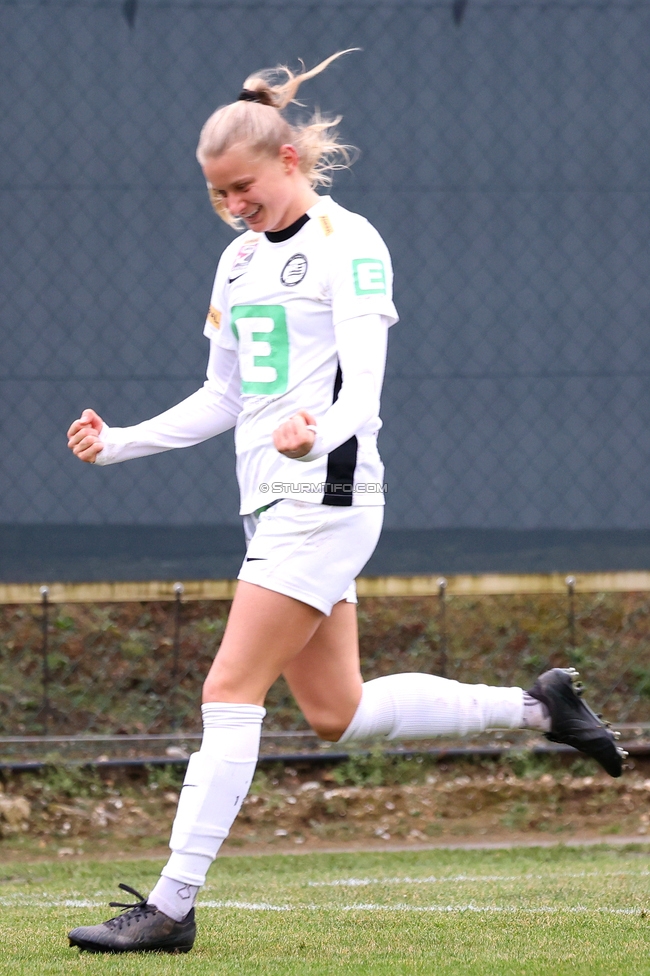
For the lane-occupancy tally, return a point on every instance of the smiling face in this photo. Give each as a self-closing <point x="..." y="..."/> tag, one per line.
<point x="268" y="192"/>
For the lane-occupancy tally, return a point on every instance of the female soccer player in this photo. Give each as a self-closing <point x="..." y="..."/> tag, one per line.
<point x="298" y="323"/>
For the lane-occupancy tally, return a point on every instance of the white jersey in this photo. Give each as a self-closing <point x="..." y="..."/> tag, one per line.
<point x="277" y="300"/>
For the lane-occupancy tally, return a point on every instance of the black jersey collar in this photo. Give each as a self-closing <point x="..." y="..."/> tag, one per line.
<point x="277" y="236"/>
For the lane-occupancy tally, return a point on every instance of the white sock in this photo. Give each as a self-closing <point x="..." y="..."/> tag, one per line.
<point x="217" y="780"/>
<point x="536" y="714"/>
<point x="418" y="706"/>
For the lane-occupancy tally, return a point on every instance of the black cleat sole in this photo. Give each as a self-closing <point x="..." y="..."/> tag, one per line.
<point x="92" y="947"/>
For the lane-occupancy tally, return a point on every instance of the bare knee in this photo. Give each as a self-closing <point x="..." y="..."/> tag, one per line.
<point x="221" y="687"/>
<point x="329" y="734"/>
<point x="328" y="725"/>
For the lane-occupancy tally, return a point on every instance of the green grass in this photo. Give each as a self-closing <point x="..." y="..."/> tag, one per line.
<point x="539" y="912"/>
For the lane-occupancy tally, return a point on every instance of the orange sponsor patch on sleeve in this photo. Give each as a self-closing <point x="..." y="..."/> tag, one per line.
<point x="326" y="225"/>
<point x="214" y="317"/>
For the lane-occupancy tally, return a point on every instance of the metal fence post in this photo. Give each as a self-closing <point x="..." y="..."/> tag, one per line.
<point x="179" y="589"/>
<point x="442" y="626"/>
<point x="45" y="670"/>
<point x="571" y="615"/>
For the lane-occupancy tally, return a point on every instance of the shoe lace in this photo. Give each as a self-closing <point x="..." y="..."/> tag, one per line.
<point x="130" y="912"/>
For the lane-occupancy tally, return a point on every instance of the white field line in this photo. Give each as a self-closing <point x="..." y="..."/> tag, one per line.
<point x="371" y="907"/>
<point x="362" y="907"/>
<point x="42" y="901"/>
<point x="31" y="901"/>
<point x="363" y="882"/>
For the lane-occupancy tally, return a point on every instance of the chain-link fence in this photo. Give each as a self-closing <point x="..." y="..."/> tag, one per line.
<point x="505" y="158"/>
<point x="124" y="680"/>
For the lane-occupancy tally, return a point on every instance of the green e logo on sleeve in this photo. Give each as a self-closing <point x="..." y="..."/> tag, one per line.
<point x="261" y="331"/>
<point x="369" y="276"/>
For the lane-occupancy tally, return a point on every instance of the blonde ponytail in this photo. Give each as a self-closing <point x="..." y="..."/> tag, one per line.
<point x="280" y="95"/>
<point x="256" y="121"/>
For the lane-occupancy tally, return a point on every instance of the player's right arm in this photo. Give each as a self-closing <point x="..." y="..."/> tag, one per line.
<point x="210" y="411"/>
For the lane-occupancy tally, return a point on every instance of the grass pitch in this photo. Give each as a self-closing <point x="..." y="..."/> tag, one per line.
<point x="538" y="912"/>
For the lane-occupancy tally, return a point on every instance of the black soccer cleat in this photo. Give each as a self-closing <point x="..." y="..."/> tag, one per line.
<point x="141" y="928"/>
<point x="573" y="722"/>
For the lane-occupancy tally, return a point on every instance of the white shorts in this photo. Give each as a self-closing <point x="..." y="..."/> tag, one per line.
<point x="310" y="552"/>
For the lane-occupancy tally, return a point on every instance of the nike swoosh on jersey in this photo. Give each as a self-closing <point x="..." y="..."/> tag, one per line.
<point x="230" y="280"/>
<point x="255" y="559"/>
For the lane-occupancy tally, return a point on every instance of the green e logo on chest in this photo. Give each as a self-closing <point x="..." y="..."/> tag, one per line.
<point x="261" y="331"/>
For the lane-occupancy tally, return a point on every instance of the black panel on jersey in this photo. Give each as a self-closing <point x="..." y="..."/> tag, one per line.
<point x="341" y="463"/>
<point x="277" y="236"/>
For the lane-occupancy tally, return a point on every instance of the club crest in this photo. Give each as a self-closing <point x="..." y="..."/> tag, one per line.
<point x="294" y="270"/>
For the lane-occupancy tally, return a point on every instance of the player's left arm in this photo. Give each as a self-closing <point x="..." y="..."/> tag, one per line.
<point x="361" y="345"/>
<point x="360" y="280"/>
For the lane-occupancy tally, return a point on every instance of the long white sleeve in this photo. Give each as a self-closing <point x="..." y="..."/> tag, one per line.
<point x="210" y="411"/>
<point x="361" y="346"/>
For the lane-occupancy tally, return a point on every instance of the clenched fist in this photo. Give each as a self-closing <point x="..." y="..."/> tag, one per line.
<point x="83" y="436"/>
<point x="293" y="438"/>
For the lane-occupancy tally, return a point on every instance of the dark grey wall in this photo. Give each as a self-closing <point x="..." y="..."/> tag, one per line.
<point x="505" y="159"/>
